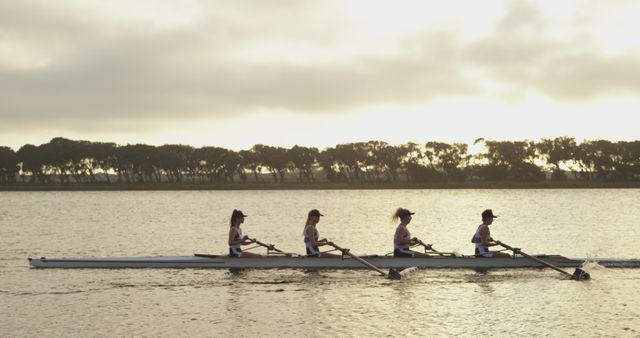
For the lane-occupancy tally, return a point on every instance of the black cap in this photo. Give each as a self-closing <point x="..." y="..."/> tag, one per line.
<point x="315" y="212"/>
<point x="237" y="213"/>
<point x="405" y="212"/>
<point x="488" y="214"/>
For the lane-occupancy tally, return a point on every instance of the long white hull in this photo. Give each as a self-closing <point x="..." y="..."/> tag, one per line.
<point x="284" y="262"/>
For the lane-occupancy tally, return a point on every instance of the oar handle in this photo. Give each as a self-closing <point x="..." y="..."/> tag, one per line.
<point x="425" y="245"/>
<point x="268" y="246"/>
<point x="429" y="247"/>
<point x="516" y="251"/>
<point x="337" y="247"/>
<point x="508" y="247"/>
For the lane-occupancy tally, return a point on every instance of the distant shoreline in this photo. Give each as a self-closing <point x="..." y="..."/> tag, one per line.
<point x="317" y="186"/>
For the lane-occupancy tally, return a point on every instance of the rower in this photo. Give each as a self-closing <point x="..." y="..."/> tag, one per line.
<point x="312" y="239"/>
<point x="402" y="240"/>
<point x="236" y="239"/>
<point x="482" y="238"/>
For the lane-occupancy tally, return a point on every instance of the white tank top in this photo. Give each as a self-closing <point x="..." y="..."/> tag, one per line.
<point x="405" y="237"/>
<point x="311" y="250"/>
<point x="237" y="237"/>
<point x="478" y="238"/>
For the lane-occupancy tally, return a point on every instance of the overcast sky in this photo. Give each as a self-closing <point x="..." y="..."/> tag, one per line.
<point x="317" y="73"/>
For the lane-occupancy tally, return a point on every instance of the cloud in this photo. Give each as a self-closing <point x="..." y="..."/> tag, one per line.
<point x="523" y="56"/>
<point x="113" y="65"/>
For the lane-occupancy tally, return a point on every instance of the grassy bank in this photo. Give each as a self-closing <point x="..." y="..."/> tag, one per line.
<point x="317" y="186"/>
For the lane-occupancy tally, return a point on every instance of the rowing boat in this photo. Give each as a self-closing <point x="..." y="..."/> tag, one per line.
<point x="294" y="262"/>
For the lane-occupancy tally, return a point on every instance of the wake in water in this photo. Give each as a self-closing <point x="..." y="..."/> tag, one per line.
<point x="408" y="271"/>
<point x="592" y="264"/>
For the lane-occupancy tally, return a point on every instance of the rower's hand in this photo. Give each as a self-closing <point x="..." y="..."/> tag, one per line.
<point x="245" y="237"/>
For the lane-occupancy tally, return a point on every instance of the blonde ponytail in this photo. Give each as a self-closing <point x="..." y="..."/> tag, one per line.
<point x="401" y="214"/>
<point x="396" y="215"/>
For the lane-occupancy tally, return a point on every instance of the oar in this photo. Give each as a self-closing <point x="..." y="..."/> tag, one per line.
<point x="393" y="274"/>
<point x="269" y="247"/>
<point x="578" y="274"/>
<point x="430" y="247"/>
<point x="440" y="253"/>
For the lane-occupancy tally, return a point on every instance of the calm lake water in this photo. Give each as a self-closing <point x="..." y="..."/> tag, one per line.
<point x="210" y="303"/>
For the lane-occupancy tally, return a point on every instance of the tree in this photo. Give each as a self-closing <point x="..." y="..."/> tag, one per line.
<point x="8" y="165"/>
<point x="231" y="164"/>
<point x="211" y="162"/>
<point x="249" y="161"/>
<point x="103" y="157"/>
<point x="374" y="162"/>
<point x="511" y="160"/>
<point x="352" y="160"/>
<point x="330" y="165"/>
<point x="32" y="163"/>
<point x="134" y="163"/>
<point x="556" y="152"/>
<point x="448" y="158"/>
<point x="390" y="159"/>
<point x="596" y="158"/>
<point x="413" y="155"/>
<point x="628" y="160"/>
<point x="81" y="161"/>
<point x="273" y="158"/>
<point x="421" y="173"/>
<point x="303" y="160"/>
<point x="172" y="160"/>
<point x="65" y="157"/>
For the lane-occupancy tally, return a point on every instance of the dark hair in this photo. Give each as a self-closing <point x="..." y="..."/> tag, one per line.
<point x="313" y="213"/>
<point x="488" y="214"/>
<point x="235" y="215"/>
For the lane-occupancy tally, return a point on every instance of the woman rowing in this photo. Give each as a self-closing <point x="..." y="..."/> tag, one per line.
<point x="482" y="238"/>
<point x="236" y="239"/>
<point x="312" y="239"/>
<point x="402" y="240"/>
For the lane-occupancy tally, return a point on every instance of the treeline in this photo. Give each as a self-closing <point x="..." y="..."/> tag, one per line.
<point x="69" y="161"/>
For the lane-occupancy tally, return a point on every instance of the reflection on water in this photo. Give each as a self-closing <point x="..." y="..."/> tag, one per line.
<point x="191" y="302"/>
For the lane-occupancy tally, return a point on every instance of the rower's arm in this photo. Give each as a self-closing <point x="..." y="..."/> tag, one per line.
<point x="242" y="241"/>
<point x="485" y="239"/>
<point x="312" y="238"/>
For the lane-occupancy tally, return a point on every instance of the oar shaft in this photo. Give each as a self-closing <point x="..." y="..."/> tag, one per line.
<point x="544" y="263"/>
<point x="268" y="246"/>
<point x="518" y="251"/>
<point x="365" y="263"/>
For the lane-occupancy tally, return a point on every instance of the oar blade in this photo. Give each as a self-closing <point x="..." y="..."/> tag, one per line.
<point x="394" y="274"/>
<point x="580" y="274"/>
